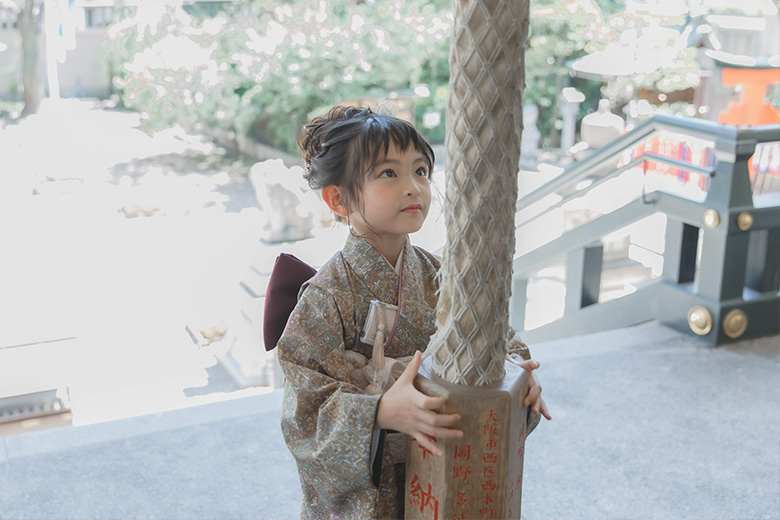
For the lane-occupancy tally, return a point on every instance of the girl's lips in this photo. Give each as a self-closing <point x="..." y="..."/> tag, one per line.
<point x="412" y="208"/>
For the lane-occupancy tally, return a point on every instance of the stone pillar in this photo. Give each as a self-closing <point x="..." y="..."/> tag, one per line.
<point x="529" y="141"/>
<point x="570" y="100"/>
<point x="286" y="201"/>
<point x="480" y="475"/>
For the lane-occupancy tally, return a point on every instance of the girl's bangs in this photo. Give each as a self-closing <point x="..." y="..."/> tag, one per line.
<point x="381" y="130"/>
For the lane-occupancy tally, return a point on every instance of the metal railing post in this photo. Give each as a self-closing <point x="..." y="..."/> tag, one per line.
<point x="518" y="303"/>
<point x="583" y="277"/>
<point x="681" y="246"/>
<point x="723" y="265"/>
<point x="763" y="267"/>
<point x="730" y="184"/>
<point x="724" y="252"/>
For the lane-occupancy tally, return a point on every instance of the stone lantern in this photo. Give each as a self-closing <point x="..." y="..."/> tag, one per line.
<point x="601" y="127"/>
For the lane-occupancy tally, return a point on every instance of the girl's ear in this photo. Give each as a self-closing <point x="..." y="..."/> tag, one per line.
<point x="332" y="197"/>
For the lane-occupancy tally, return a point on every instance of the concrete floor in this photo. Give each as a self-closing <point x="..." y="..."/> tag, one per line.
<point x="648" y="423"/>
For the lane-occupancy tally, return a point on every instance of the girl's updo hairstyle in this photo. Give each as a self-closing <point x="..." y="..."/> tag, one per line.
<point x="343" y="147"/>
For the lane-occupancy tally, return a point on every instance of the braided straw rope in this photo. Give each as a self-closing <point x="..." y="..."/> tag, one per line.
<point x="484" y="123"/>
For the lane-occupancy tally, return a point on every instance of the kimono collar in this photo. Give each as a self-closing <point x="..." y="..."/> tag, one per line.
<point x="374" y="269"/>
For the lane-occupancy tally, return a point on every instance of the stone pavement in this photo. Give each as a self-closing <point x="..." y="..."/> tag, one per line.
<point x="648" y="423"/>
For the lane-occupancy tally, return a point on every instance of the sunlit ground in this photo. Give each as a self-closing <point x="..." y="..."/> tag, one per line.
<point x="96" y="300"/>
<point x="112" y="241"/>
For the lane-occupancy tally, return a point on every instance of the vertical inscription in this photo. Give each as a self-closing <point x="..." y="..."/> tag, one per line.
<point x="422" y="496"/>
<point x="426" y="451"/>
<point x="491" y="441"/>
<point x="462" y="469"/>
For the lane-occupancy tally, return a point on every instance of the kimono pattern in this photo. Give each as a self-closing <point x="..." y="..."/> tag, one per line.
<point x="327" y="420"/>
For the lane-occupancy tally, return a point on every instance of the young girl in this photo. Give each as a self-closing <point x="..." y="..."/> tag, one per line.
<point x="349" y="443"/>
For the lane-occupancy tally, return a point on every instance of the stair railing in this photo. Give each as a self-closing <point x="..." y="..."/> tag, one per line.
<point x="722" y="285"/>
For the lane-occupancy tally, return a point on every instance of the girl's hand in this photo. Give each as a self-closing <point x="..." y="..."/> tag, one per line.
<point x="534" y="396"/>
<point x="406" y="409"/>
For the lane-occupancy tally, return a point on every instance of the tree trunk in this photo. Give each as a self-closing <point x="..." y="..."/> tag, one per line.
<point x="32" y="81"/>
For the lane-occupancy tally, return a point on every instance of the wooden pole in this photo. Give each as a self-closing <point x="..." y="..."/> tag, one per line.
<point x="480" y="475"/>
<point x="484" y="125"/>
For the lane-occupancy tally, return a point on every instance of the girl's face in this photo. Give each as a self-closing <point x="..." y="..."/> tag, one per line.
<point x="395" y="198"/>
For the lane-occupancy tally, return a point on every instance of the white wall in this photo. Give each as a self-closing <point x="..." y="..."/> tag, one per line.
<point x="82" y="74"/>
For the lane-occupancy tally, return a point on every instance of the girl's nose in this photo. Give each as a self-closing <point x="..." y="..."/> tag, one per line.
<point x="413" y="186"/>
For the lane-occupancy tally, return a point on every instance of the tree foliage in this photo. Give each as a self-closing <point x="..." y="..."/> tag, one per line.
<point x="262" y="68"/>
<point x="266" y="67"/>
<point x="560" y="31"/>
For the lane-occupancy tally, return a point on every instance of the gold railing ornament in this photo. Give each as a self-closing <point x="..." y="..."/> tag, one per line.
<point x="711" y="218"/>
<point x="745" y="221"/>
<point x="735" y="323"/>
<point x="700" y="320"/>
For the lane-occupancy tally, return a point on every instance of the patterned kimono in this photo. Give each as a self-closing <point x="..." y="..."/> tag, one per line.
<point x="327" y="420"/>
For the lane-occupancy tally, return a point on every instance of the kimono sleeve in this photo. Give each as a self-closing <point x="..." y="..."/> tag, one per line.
<point x="516" y="348"/>
<point x="327" y="422"/>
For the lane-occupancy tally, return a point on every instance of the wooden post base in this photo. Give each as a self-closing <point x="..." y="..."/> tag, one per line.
<point x="481" y="474"/>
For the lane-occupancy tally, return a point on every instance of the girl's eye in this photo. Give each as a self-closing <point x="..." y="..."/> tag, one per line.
<point x="387" y="173"/>
<point x="422" y="172"/>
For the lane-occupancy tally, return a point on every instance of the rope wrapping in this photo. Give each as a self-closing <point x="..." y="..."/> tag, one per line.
<point x="484" y="124"/>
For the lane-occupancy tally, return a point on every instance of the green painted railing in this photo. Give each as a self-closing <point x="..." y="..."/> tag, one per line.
<point x="721" y="256"/>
